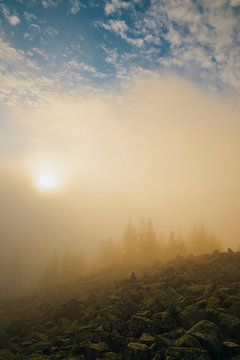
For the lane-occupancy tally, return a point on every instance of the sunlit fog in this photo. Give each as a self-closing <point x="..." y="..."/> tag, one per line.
<point x="80" y="167"/>
<point x="137" y="140"/>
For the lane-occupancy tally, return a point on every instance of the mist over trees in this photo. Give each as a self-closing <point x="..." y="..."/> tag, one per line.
<point x="68" y="267"/>
<point x="140" y="246"/>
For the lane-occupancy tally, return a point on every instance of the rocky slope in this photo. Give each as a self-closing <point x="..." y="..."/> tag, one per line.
<point x="187" y="309"/>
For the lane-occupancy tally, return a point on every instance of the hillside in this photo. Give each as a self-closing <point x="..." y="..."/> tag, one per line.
<point x="186" y="309"/>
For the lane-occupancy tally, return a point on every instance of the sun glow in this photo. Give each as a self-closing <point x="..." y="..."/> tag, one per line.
<point x="47" y="182"/>
<point x="48" y="172"/>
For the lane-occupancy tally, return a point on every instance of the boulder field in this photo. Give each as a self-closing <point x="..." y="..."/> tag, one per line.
<point x="187" y="309"/>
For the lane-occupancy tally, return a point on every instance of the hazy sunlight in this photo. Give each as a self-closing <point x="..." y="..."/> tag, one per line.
<point x="47" y="182"/>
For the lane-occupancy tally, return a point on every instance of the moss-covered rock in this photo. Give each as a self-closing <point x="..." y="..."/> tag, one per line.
<point x="94" y="350"/>
<point x="111" y="356"/>
<point x="38" y="357"/>
<point x="146" y="339"/>
<point x="180" y="353"/>
<point x="140" y="324"/>
<point x="137" y="351"/>
<point x="229" y="323"/>
<point x="230" y="349"/>
<point x="174" y="334"/>
<point x="188" y="341"/>
<point x="162" y="342"/>
<point x="190" y="316"/>
<point x="37" y="347"/>
<point x="210" y="337"/>
<point x="6" y="355"/>
<point x="164" y="321"/>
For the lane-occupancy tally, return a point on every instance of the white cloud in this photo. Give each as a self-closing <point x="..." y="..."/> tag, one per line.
<point x="119" y="27"/>
<point x="50" y="3"/>
<point x="134" y="42"/>
<point x="115" y="5"/>
<point x="13" y="19"/>
<point x="151" y="39"/>
<point x="112" y="56"/>
<point x="24" y="85"/>
<point x="34" y="31"/>
<point x="174" y="36"/>
<point x="21" y="85"/>
<point x="40" y="52"/>
<point x="8" y="53"/>
<point x="35" y="28"/>
<point x="28" y="36"/>
<point x="214" y="3"/>
<point x="235" y="3"/>
<point x="75" y="6"/>
<point x="50" y="31"/>
<point x="201" y="43"/>
<point x="29" y="16"/>
<point x="74" y="65"/>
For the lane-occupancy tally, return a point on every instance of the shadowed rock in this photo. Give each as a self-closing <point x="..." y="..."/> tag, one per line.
<point x="175" y="353"/>
<point x="209" y="336"/>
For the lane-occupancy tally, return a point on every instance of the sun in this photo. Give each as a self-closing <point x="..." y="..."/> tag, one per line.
<point x="48" y="174"/>
<point x="47" y="182"/>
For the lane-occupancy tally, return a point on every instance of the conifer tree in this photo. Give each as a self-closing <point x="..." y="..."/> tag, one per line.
<point x="148" y="245"/>
<point x="51" y="275"/>
<point x="130" y="253"/>
<point x="201" y="241"/>
<point x="108" y="254"/>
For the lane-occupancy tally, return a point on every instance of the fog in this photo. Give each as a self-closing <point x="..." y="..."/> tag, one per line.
<point x="159" y="148"/>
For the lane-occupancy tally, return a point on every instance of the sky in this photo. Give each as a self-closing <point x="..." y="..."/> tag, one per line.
<point x="71" y="45"/>
<point x="112" y="109"/>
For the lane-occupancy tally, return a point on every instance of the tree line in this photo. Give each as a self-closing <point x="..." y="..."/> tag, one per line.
<point x="139" y="246"/>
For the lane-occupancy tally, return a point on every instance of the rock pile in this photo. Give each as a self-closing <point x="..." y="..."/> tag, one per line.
<point x="188" y="309"/>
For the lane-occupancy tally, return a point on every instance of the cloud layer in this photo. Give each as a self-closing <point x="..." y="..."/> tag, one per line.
<point x="116" y="39"/>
